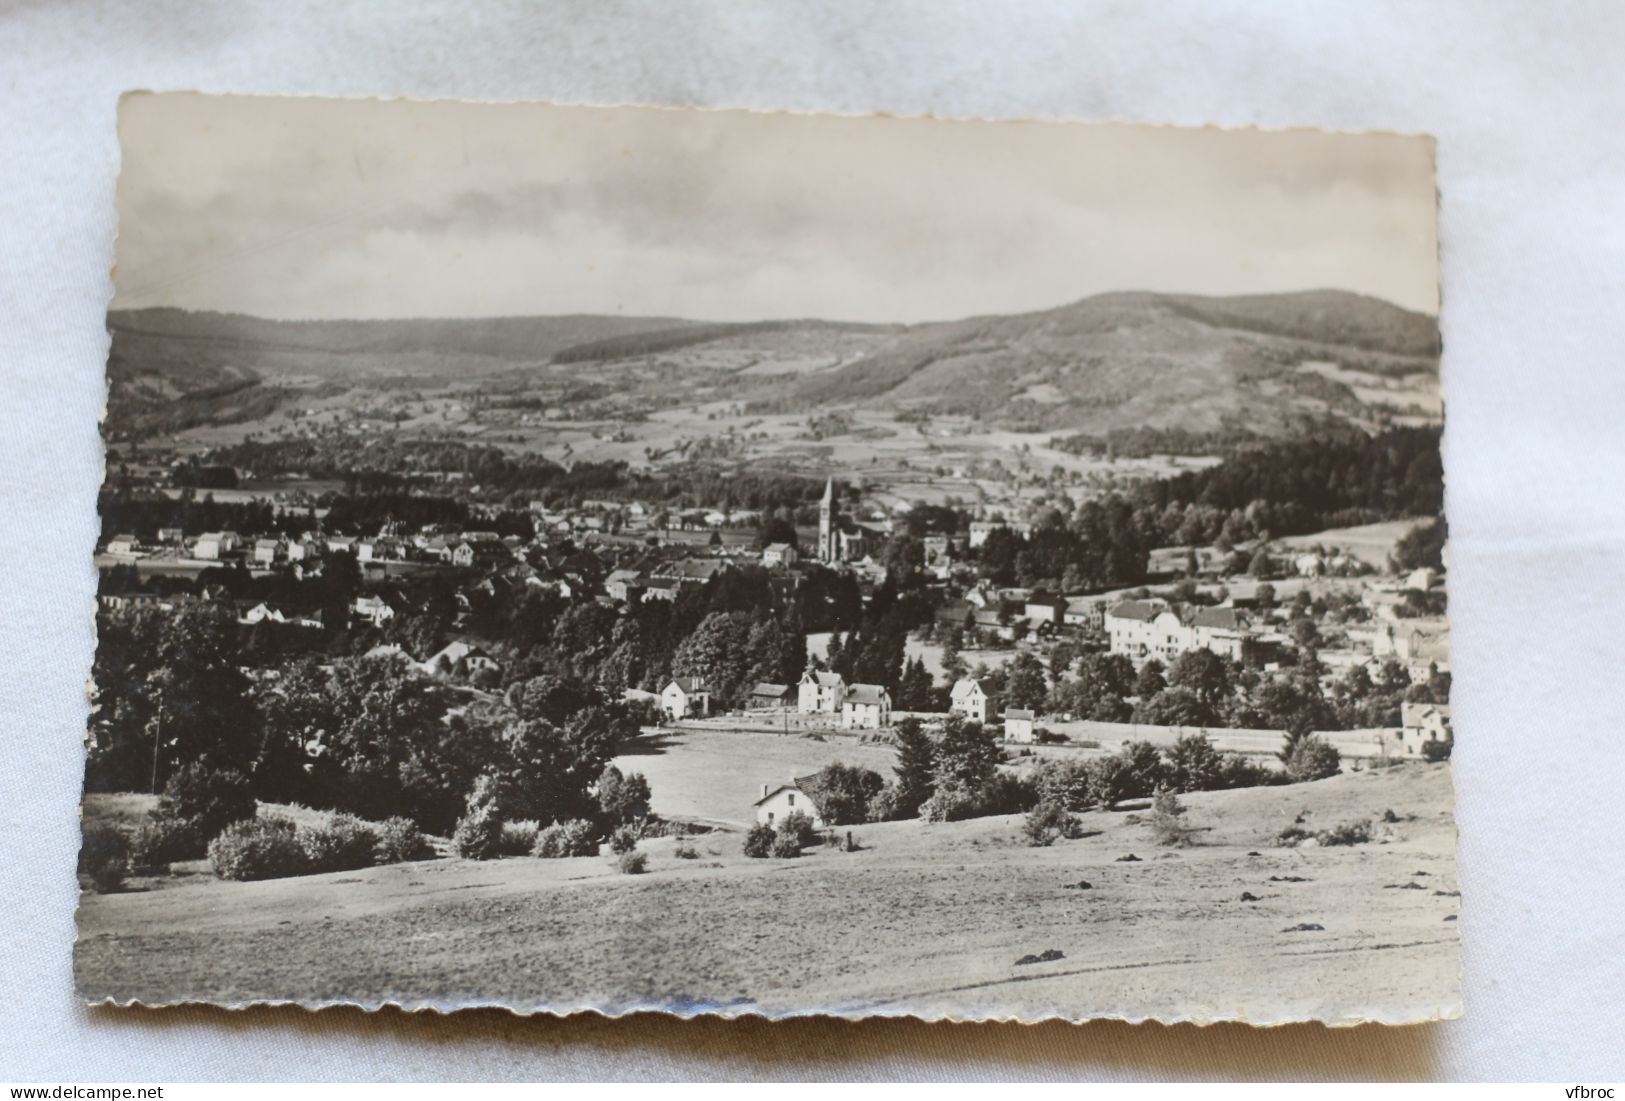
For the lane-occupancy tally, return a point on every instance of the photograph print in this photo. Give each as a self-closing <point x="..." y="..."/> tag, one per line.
<point x="570" y="558"/>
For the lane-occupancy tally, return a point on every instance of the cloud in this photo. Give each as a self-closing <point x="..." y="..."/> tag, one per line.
<point x="322" y="208"/>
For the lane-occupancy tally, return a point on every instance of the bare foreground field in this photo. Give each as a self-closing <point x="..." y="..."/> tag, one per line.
<point x="926" y="919"/>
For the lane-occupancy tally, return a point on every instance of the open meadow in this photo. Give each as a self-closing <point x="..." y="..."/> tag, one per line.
<point x="925" y="919"/>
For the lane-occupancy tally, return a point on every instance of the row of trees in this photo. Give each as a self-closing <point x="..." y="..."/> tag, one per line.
<point x="365" y="735"/>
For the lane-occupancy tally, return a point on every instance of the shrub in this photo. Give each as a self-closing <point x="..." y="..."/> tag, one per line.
<point x="1238" y="771"/>
<point x="400" y="839"/>
<point x="518" y="838"/>
<point x="884" y="807"/>
<point x="577" y="837"/>
<point x="759" y="840"/>
<point x="341" y="844"/>
<point x="212" y="799"/>
<point x="1046" y="822"/>
<point x="786" y="845"/>
<point x="623" y="840"/>
<point x="633" y="863"/>
<point x="1063" y="783"/>
<point x="1006" y="793"/>
<point x="685" y="850"/>
<point x="479" y="833"/>
<point x="257" y="848"/>
<point x="951" y="802"/>
<point x="1166" y="827"/>
<point x="1043" y="735"/>
<point x="164" y="839"/>
<point x="104" y="856"/>
<point x="1436" y="751"/>
<point x="1349" y="833"/>
<point x="799" y="826"/>
<point x="1312" y="758"/>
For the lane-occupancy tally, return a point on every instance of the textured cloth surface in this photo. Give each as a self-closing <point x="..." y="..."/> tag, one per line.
<point x="1525" y="102"/>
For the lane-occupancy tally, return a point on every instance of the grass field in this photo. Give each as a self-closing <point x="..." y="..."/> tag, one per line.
<point x="925" y="919"/>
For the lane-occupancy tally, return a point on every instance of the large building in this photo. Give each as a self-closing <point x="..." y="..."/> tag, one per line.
<point x="839" y="539"/>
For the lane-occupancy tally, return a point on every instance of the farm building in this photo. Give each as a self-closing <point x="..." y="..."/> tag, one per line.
<point x="821" y="693"/>
<point x="778" y="803"/>
<point x="968" y="699"/>
<point x="215" y="544"/>
<point x="867" y="707"/>
<point x="770" y="695"/>
<point x="121" y="544"/>
<point x="685" y="696"/>
<point x="268" y="552"/>
<point x="1018" y="725"/>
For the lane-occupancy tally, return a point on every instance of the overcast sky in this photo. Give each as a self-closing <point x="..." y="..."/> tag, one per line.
<point x="311" y="208"/>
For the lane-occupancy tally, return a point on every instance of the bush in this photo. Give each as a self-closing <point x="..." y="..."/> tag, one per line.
<point x="623" y="840"/>
<point x="1063" y="783"/>
<point x="257" y="848"/>
<point x="884" y="807"/>
<point x="104" y="856"/>
<point x="786" y="845"/>
<point x="164" y="839"/>
<point x="341" y="844"/>
<point x="212" y="799"/>
<point x="951" y="802"/>
<point x="518" y="838"/>
<point x="1312" y="758"/>
<point x="1043" y="735"/>
<point x="1046" y="822"/>
<point x="577" y="837"/>
<point x="479" y="833"/>
<point x="1166" y="812"/>
<point x="685" y="850"/>
<point x="1349" y="833"/>
<point x="843" y="793"/>
<point x="799" y="826"/>
<point x="399" y="839"/>
<point x="1236" y="770"/>
<point x="633" y="863"/>
<point x="759" y="841"/>
<point x="1436" y="751"/>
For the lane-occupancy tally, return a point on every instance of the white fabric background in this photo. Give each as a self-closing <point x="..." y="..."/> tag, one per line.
<point x="1526" y="101"/>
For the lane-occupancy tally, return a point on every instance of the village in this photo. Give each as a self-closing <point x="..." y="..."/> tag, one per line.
<point x="1361" y="615"/>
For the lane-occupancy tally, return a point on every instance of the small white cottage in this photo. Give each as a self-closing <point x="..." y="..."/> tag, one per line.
<point x="779" y="802"/>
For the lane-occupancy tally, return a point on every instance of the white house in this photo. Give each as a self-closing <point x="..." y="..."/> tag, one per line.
<point x="821" y="693"/>
<point x="215" y="544"/>
<point x="1145" y="629"/>
<point x="968" y="698"/>
<point x="867" y="707"/>
<point x="267" y="552"/>
<point x="1422" y="723"/>
<point x="374" y="609"/>
<point x="1088" y="612"/>
<point x="121" y="544"/>
<point x="685" y="696"/>
<point x="470" y="656"/>
<point x="778" y="554"/>
<point x="1018" y="724"/>
<point x="778" y="803"/>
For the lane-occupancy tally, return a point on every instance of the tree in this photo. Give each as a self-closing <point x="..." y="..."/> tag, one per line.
<point x="1150" y="680"/>
<point x="1192" y="764"/>
<point x="1312" y="758"/>
<point x="622" y="798"/>
<point x="1260" y="565"/>
<point x="843" y="793"/>
<point x="1025" y="683"/>
<point x="916" y="766"/>
<point x="1141" y="771"/>
<point x="1202" y="672"/>
<point x="916" y="691"/>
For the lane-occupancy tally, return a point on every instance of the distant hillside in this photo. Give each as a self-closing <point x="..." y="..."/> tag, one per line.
<point x="1141" y="359"/>
<point x="1257" y="364"/>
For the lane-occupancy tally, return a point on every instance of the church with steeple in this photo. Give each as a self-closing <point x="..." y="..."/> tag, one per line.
<point x="839" y="540"/>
